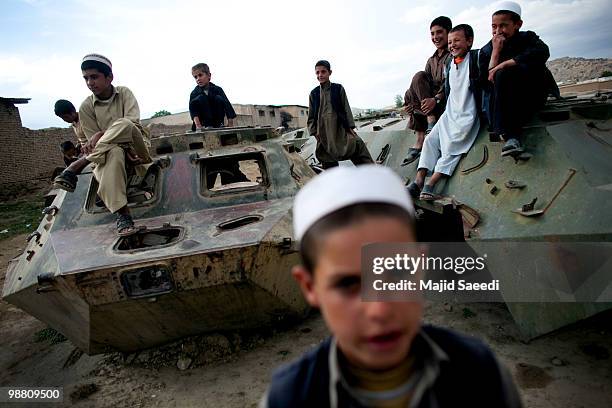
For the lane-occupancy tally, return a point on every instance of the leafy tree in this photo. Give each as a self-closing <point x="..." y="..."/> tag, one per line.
<point x="160" y="113"/>
<point x="399" y="101"/>
<point x="606" y="74"/>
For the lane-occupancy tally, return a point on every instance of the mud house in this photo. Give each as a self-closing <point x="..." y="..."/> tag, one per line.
<point x="27" y="155"/>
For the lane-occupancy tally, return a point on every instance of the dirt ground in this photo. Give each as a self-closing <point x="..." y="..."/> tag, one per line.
<point x="569" y="368"/>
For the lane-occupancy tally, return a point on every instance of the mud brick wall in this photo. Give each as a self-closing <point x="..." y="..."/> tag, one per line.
<point x="28" y="155"/>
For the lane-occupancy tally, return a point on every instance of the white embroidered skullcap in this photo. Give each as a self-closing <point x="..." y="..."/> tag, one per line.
<point x="507" y="6"/>
<point x="344" y="186"/>
<point x="98" y="58"/>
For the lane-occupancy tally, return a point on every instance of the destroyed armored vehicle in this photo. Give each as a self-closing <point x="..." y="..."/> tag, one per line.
<point x="213" y="250"/>
<point x="566" y="170"/>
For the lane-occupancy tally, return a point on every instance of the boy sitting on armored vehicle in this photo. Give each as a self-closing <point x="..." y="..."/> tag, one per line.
<point x="424" y="100"/>
<point x="208" y="105"/>
<point x="66" y="111"/>
<point x="330" y="121"/>
<point x="380" y="354"/>
<point x="513" y="67"/>
<point x="458" y="126"/>
<point x="110" y="118"/>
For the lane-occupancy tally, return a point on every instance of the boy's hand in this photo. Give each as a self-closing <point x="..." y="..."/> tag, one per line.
<point x="498" y="42"/>
<point x="428" y="105"/>
<point x="230" y="123"/>
<point x="351" y="132"/>
<point x="408" y="109"/>
<point x="91" y="143"/>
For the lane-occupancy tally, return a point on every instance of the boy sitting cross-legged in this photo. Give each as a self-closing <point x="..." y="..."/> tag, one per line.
<point x="379" y="353"/>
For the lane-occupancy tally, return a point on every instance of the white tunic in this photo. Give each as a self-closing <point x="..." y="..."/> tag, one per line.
<point x="458" y="126"/>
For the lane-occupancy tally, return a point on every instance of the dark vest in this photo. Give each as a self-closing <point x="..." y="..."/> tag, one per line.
<point x="335" y="101"/>
<point x="470" y="378"/>
<point x="475" y="85"/>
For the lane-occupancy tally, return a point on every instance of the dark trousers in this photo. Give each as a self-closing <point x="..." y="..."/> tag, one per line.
<point x="210" y="110"/>
<point x="516" y="95"/>
<point x="422" y="87"/>
<point x="360" y="156"/>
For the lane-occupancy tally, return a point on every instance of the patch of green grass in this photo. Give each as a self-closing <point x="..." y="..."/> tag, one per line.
<point x="15" y="216"/>
<point x="50" y="335"/>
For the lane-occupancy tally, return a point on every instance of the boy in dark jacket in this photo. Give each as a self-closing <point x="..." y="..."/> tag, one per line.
<point x="208" y="105"/>
<point x="513" y="67"/>
<point x="330" y="121"/>
<point x="379" y="353"/>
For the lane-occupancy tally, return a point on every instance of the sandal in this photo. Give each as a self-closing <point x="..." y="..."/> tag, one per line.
<point x="427" y="193"/>
<point x="512" y="147"/>
<point x="125" y="225"/>
<point x="414" y="190"/>
<point x="66" y="180"/>
<point x="412" y="155"/>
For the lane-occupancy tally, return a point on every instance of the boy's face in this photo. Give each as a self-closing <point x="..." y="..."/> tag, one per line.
<point x="439" y="37"/>
<point x="458" y="45"/>
<point x="97" y="83"/>
<point x="503" y="25"/>
<point x="71" y="152"/>
<point x="201" y="77"/>
<point x="372" y="335"/>
<point x="69" y="117"/>
<point x="322" y="74"/>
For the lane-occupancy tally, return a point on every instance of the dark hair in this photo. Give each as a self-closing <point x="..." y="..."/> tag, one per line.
<point x="201" y="67"/>
<point x="63" y="107"/>
<point x="67" y="145"/>
<point x="97" y="65"/>
<point x="309" y="246"/>
<point x="323" y="63"/>
<point x="443" y="22"/>
<point x="468" y="31"/>
<point x="513" y="16"/>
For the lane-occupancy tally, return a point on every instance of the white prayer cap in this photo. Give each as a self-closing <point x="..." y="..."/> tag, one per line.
<point x="98" y="58"/>
<point x="344" y="186"/>
<point x="507" y="6"/>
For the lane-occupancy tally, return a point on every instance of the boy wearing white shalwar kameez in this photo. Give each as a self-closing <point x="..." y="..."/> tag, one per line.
<point x="457" y="128"/>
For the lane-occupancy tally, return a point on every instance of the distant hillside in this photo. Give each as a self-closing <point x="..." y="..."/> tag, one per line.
<point x="572" y="69"/>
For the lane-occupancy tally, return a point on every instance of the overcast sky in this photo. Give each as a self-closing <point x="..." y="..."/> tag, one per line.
<point x="260" y="52"/>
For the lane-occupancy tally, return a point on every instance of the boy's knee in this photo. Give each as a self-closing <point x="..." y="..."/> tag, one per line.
<point x="197" y="101"/>
<point x="420" y="78"/>
<point x="123" y="124"/>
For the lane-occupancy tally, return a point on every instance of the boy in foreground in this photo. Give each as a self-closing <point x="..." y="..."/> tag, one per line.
<point x="379" y="354"/>
<point x="110" y="118"/>
<point x="208" y="105"/>
<point x="513" y="67"/>
<point x="424" y="100"/>
<point x="330" y="121"/>
<point x="458" y="126"/>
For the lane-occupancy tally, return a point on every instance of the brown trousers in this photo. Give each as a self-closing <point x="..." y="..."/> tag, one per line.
<point x="422" y="87"/>
<point x="109" y="157"/>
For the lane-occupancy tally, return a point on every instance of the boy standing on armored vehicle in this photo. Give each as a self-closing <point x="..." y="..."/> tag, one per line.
<point x="513" y="66"/>
<point x="110" y="118"/>
<point x="380" y="354"/>
<point x="208" y="105"/>
<point x="424" y="100"/>
<point x="330" y="121"/>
